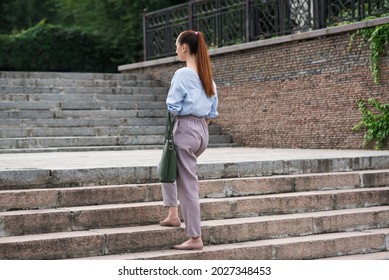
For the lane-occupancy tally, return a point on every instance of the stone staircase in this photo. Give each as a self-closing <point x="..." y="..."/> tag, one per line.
<point x="84" y="112"/>
<point x="284" y="209"/>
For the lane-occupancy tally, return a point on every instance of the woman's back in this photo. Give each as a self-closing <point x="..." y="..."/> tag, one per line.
<point x="187" y="96"/>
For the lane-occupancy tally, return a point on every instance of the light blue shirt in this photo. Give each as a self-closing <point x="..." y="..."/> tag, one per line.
<point x="187" y="96"/>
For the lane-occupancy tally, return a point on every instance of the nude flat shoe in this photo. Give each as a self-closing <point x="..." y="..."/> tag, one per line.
<point x="170" y="222"/>
<point x="189" y="247"/>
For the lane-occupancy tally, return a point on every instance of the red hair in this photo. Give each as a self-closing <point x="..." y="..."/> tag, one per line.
<point x="198" y="47"/>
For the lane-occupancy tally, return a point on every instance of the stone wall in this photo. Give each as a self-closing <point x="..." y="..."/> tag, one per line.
<point x="297" y="91"/>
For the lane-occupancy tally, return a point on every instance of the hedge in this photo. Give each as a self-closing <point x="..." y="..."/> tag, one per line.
<point x="55" y="48"/>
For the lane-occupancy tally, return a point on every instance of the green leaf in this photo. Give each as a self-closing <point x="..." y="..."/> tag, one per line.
<point x="375" y="121"/>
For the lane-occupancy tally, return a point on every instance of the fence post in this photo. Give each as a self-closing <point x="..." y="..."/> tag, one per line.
<point x="319" y="14"/>
<point x="247" y="20"/>
<point x="361" y="9"/>
<point x="218" y="22"/>
<point x="190" y="15"/>
<point x="284" y="16"/>
<point x="145" y="48"/>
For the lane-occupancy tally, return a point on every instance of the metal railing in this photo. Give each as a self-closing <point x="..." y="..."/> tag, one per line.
<point x="229" y="22"/>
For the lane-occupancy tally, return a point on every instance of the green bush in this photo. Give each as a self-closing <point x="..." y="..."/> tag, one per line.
<point x="375" y="122"/>
<point x="55" y="48"/>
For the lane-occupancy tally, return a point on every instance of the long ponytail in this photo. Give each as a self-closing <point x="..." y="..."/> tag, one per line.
<point x="197" y="46"/>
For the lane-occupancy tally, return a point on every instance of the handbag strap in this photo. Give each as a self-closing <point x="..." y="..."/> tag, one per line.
<point x="169" y="127"/>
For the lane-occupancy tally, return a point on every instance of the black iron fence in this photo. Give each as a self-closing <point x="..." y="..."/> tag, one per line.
<point x="229" y="22"/>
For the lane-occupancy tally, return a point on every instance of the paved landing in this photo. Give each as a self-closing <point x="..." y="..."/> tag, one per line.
<point x="102" y="159"/>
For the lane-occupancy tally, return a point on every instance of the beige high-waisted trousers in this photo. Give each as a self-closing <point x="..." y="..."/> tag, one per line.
<point x="191" y="138"/>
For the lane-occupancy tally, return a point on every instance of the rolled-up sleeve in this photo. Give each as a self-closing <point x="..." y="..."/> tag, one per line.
<point x="175" y="95"/>
<point x="214" y="113"/>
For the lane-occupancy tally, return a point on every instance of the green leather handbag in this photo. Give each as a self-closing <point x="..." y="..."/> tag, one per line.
<point x="168" y="165"/>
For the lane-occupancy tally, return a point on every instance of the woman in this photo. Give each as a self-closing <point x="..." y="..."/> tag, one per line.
<point x="193" y="99"/>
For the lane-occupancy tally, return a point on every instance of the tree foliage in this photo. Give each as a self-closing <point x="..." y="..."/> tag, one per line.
<point x="21" y="14"/>
<point x="119" y="22"/>
<point x="47" y="47"/>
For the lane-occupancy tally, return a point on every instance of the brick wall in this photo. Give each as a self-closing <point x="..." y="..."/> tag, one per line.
<point x="293" y="93"/>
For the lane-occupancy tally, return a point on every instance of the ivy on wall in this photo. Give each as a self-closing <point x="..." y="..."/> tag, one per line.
<point x="378" y="37"/>
<point x="375" y="115"/>
<point x="376" y="123"/>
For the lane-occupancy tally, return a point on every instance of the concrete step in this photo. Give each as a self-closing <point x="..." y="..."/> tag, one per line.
<point x="90" y="127"/>
<point x="80" y="105"/>
<point x="137" y="87"/>
<point x="52" y="80"/>
<point x="103" y="148"/>
<point x="41" y="114"/>
<point x="297" y="236"/>
<point x="11" y="75"/>
<point x="29" y="199"/>
<point x="50" y="116"/>
<point x="44" y="85"/>
<point x="44" y="170"/>
<point x="98" y="130"/>
<point x="27" y="105"/>
<point x="83" y="122"/>
<point x="127" y="114"/>
<point x="29" y="135"/>
<point x="85" y="141"/>
<point x="52" y="246"/>
<point x="363" y="256"/>
<point x="292" y="248"/>
<point x="81" y="97"/>
<point x="49" y="142"/>
<point x="112" y="105"/>
<point x="142" y="213"/>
